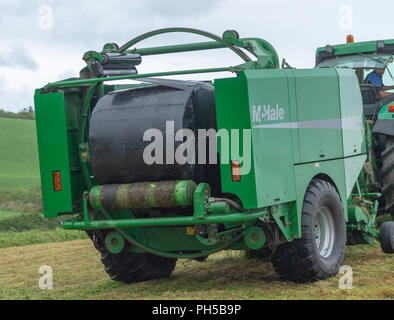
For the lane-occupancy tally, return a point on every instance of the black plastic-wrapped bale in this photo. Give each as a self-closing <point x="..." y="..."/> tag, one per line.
<point x="121" y="118"/>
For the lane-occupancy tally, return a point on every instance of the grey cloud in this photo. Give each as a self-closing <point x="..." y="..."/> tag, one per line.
<point x="14" y="99"/>
<point x="17" y="57"/>
<point x="88" y="23"/>
<point x="295" y="28"/>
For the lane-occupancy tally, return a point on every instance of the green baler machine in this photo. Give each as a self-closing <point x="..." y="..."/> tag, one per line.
<point x="268" y="161"/>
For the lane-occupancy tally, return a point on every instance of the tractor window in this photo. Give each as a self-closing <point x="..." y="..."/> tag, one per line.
<point x="358" y="61"/>
<point x="388" y="77"/>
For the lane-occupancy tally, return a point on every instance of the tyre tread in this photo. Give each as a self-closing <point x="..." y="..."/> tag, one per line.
<point x="295" y="261"/>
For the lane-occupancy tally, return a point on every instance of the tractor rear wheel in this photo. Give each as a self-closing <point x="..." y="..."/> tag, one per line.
<point x="387" y="174"/>
<point x="386" y="237"/>
<point x="129" y="267"/>
<point x="320" y="251"/>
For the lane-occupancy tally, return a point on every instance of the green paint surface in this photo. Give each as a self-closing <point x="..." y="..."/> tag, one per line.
<point x="52" y="145"/>
<point x="357" y="47"/>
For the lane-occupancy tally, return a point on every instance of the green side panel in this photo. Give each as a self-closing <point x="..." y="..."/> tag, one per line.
<point x="272" y="144"/>
<point x="232" y="112"/>
<point x="56" y="135"/>
<point x="318" y="107"/>
<point x="304" y="123"/>
<point x="259" y="100"/>
<point x="353" y="167"/>
<point x="73" y="107"/>
<point x="353" y="133"/>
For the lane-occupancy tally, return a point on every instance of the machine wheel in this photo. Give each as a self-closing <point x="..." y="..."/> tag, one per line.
<point x="262" y="254"/>
<point x="386" y="237"/>
<point x="320" y="251"/>
<point x="387" y="174"/>
<point x="129" y="267"/>
<point x="135" y="267"/>
<point x="201" y="259"/>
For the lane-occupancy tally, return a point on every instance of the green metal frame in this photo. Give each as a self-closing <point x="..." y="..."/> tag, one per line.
<point x="204" y="213"/>
<point x="220" y="41"/>
<point x="385" y="47"/>
<point x="261" y="49"/>
<point x="282" y="210"/>
<point x="357" y="47"/>
<point x="200" y="217"/>
<point x="265" y="53"/>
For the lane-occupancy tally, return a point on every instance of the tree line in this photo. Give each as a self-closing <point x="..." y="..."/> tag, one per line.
<point x="24" y="113"/>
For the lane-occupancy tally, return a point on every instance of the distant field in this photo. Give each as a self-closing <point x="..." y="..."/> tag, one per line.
<point x="19" y="168"/>
<point x="78" y="274"/>
<point x="9" y="214"/>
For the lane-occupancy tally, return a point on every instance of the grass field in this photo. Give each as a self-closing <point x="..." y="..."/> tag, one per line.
<point x="9" y="214"/>
<point x="28" y="241"/>
<point x="78" y="274"/>
<point x="18" y="155"/>
<point x="17" y="239"/>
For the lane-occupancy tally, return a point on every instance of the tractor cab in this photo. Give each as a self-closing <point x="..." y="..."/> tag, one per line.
<point x="364" y="58"/>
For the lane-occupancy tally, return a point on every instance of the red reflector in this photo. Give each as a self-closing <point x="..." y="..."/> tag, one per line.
<point x="236" y="171"/>
<point x="57" y="182"/>
<point x="391" y="108"/>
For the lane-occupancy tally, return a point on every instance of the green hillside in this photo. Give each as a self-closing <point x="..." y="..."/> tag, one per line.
<point x="18" y="155"/>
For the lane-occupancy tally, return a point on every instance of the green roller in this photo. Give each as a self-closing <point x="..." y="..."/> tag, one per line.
<point x="254" y="238"/>
<point x="142" y="195"/>
<point x="114" y="242"/>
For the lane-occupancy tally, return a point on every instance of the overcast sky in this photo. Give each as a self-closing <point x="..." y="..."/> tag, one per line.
<point x="43" y="40"/>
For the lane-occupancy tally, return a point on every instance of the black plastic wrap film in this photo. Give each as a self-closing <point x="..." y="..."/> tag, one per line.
<point x="121" y="118"/>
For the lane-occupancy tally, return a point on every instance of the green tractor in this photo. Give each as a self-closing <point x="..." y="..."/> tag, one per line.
<point x="364" y="58"/>
<point x="277" y="162"/>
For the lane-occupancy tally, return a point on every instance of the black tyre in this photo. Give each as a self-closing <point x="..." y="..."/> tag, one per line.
<point x="262" y="254"/>
<point x="387" y="174"/>
<point x="320" y="251"/>
<point x="135" y="267"/>
<point x="386" y="237"/>
<point x="201" y="259"/>
<point x="131" y="267"/>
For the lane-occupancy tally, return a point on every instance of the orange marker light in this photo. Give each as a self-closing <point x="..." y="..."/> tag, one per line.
<point x="391" y="108"/>
<point x="236" y="171"/>
<point x="57" y="182"/>
<point x="350" y="38"/>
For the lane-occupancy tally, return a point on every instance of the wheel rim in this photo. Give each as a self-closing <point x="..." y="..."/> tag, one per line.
<point x="324" y="232"/>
